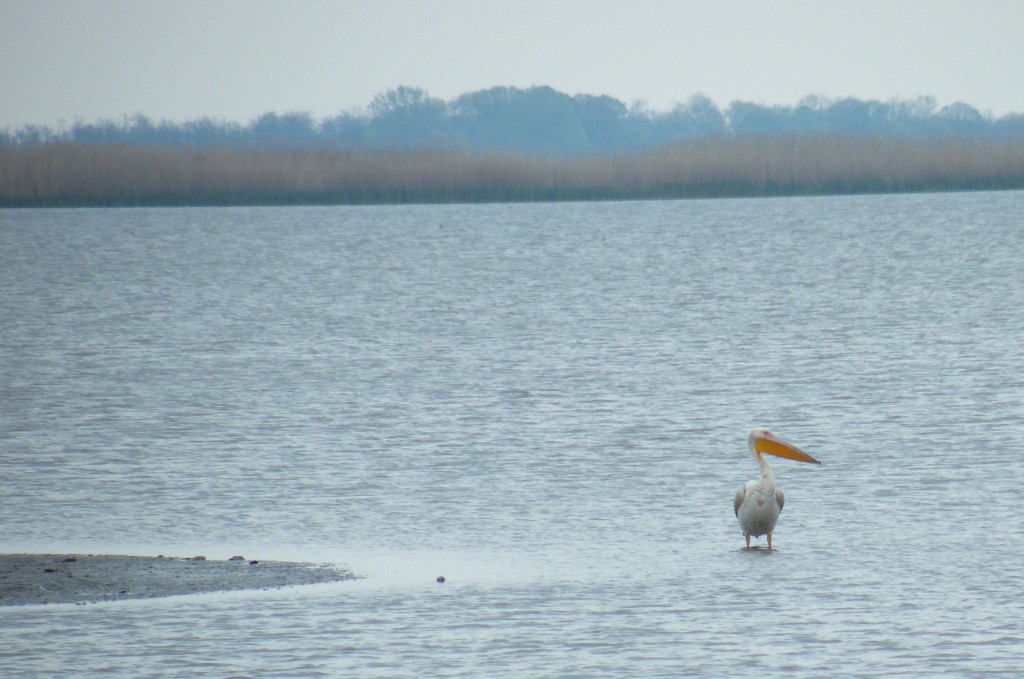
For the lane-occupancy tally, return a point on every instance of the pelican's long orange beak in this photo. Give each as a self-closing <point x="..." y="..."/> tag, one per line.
<point x="770" y="444"/>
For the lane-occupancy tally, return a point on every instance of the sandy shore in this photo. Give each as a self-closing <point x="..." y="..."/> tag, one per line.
<point x="81" y="578"/>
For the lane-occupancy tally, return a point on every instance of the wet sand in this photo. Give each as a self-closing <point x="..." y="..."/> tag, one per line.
<point x="81" y="578"/>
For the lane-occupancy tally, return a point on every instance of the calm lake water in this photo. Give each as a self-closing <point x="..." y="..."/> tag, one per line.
<point x="547" y="404"/>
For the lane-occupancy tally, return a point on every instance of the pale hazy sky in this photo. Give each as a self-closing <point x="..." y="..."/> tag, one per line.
<point x="67" y="60"/>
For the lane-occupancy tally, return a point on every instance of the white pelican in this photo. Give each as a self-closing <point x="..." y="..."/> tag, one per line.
<point x="759" y="503"/>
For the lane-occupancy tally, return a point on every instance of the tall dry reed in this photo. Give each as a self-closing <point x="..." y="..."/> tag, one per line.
<point x="68" y="174"/>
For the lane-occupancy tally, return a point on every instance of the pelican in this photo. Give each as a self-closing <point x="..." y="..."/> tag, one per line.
<point x="759" y="503"/>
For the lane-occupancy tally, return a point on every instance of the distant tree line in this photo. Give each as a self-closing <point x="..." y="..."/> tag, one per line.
<point x="537" y="121"/>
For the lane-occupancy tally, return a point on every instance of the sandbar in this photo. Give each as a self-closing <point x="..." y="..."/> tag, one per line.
<point x="87" y="578"/>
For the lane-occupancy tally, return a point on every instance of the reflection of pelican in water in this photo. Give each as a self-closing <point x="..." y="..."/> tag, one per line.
<point x="759" y="503"/>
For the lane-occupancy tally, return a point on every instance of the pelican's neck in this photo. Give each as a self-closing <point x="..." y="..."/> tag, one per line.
<point x="767" y="477"/>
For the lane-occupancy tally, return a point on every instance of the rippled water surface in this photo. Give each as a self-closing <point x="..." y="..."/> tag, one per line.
<point x="545" y="403"/>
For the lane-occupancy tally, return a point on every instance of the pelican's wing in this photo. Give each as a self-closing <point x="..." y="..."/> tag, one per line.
<point x="738" y="500"/>
<point x="780" y="498"/>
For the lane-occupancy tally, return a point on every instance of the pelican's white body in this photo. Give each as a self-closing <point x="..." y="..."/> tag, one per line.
<point x="759" y="503"/>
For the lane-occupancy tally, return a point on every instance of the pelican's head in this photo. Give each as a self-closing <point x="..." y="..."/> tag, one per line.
<point x="761" y="440"/>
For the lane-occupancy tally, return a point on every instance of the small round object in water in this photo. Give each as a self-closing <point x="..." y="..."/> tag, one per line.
<point x="440" y="578"/>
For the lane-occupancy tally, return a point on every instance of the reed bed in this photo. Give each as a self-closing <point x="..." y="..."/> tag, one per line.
<point x="754" y="165"/>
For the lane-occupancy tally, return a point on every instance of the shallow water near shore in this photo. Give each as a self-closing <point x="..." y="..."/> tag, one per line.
<point x="547" y="405"/>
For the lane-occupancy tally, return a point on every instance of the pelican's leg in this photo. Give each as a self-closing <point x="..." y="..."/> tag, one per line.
<point x="747" y="536"/>
<point x="769" y="541"/>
